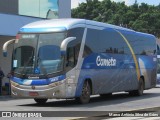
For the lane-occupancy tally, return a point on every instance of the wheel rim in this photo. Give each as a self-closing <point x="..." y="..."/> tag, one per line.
<point x="86" y="91"/>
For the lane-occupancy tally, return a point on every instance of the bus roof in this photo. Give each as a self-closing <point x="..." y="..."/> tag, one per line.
<point x="64" y="24"/>
<point x="57" y="25"/>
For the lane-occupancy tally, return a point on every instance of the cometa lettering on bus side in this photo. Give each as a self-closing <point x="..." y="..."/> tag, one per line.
<point x="105" y="62"/>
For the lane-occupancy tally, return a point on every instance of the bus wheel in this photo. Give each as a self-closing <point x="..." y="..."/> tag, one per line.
<point x="140" y="90"/>
<point x="85" y="95"/>
<point x="106" y="95"/>
<point x="40" y="101"/>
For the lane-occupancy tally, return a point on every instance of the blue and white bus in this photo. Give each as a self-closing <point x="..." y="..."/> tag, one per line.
<point x="77" y="58"/>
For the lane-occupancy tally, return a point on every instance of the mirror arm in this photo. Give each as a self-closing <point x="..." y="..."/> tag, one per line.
<point x="65" y="43"/>
<point x="4" y="49"/>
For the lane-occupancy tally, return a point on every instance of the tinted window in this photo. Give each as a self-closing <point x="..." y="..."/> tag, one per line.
<point x="158" y="50"/>
<point x="91" y="42"/>
<point x="72" y="55"/>
<point x="110" y="41"/>
<point x="141" y="44"/>
<point x="24" y="57"/>
<point x="105" y="41"/>
<point x="76" y="32"/>
<point x="73" y="47"/>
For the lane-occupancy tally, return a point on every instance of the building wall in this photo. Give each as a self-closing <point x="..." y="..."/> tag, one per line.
<point x="10" y="24"/>
<point x="9" y="6"/>
<point x="64" y="9"/>
<point x="5" y="62"/>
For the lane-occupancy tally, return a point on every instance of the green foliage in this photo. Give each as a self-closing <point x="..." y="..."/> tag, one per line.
<point x="143" y="18"/>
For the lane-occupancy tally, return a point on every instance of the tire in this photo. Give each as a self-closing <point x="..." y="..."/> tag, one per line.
<point x="140" y="90"/>
<point x="85" y="94"/>
<point x="106" y="95"/>
<point x="40" y="101"/>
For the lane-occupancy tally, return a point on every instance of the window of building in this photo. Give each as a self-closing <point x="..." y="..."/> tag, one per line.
<point x="39" y="8"/>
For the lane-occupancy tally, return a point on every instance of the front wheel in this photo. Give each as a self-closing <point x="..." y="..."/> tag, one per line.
<point x="40" y="101"/>
<point x="85" y="95"/>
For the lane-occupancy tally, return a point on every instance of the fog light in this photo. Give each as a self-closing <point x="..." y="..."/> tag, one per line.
<point x="14" y="93"/>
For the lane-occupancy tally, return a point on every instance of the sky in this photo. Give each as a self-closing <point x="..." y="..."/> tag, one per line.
<point x="127" y="2"/>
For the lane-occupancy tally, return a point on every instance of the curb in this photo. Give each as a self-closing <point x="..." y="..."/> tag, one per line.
<point x="4" y="97"/>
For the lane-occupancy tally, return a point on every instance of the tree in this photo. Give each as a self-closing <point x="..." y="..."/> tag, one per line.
<point x="143" y="18"/>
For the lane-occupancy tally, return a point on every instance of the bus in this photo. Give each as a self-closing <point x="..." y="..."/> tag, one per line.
<point x="77" y="58"/>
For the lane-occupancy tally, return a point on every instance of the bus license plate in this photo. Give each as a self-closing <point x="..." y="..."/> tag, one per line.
<point x="33" y="94"/>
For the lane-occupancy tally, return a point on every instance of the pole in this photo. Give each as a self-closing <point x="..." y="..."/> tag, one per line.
<point x="0" y="86"/>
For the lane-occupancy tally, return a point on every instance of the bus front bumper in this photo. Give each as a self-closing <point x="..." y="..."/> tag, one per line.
<point x="58" y="90"/>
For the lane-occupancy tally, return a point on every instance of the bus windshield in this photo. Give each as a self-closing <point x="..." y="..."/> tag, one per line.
<point x="38" y="53"/>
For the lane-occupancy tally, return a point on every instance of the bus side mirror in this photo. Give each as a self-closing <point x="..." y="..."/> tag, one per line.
<point x="4" y="54"/>
<point x="5" y="46"/>
<point x="63" y="53"/>
<point x="65" y="43"/>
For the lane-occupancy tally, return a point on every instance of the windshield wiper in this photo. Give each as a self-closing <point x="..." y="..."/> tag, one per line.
<point x="26" y="64"/>
<point x="24" y="68"/>
<point x="41" y="67"/>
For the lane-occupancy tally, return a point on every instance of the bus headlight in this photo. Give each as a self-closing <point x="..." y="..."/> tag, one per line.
<point x="56" y="83"/>
<point x="14" y="84"/>
<point x="70" y="80"/>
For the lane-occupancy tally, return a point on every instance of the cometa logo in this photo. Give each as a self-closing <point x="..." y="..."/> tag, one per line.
<point x="105" y="62"/>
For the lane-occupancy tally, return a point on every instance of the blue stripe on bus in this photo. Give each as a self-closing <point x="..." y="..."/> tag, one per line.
<point x="38" y="81"/>
<point x="39" y="30"/>
<point x="123" y="63"/>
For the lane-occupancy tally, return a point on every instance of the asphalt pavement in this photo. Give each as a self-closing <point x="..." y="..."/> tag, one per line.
<point x="98" y="108"/>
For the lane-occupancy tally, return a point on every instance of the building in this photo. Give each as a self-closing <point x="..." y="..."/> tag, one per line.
<point x="16" y="13"/>
<point x="37" y="8"/>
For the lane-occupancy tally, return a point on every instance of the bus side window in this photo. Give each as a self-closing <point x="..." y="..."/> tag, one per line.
<point x="77" y="49"/>
<point x="73" y="47"/>
<point x="72" y="55"/>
